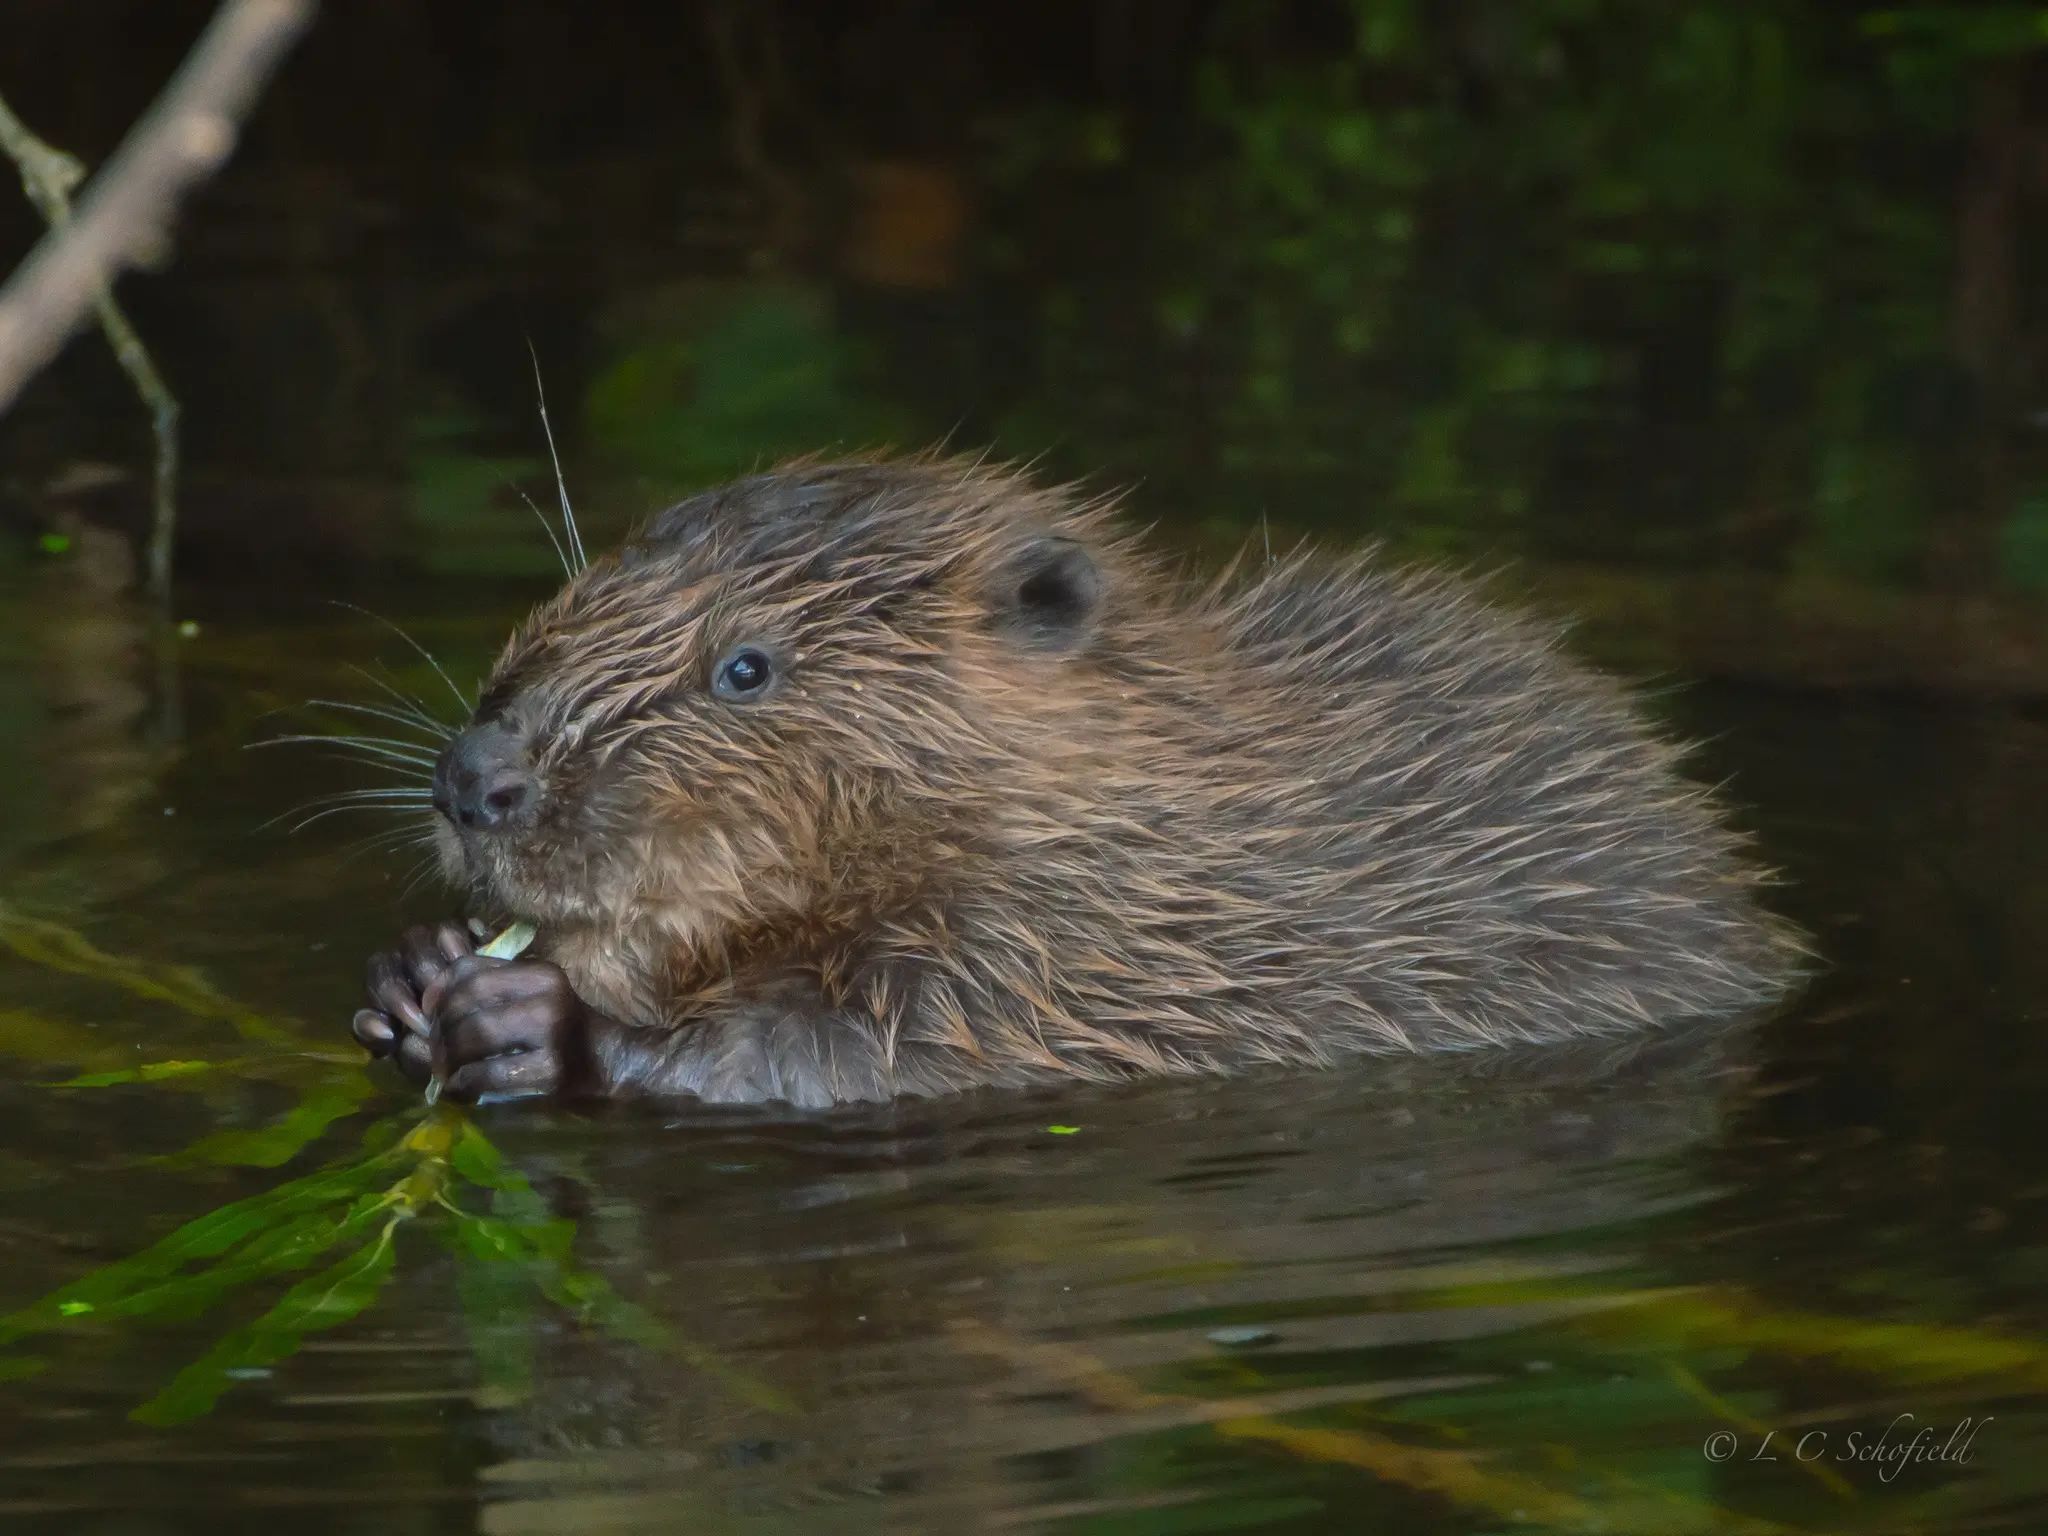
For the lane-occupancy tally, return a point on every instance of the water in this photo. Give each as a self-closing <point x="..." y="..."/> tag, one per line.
<point x="1688" y="1293"/>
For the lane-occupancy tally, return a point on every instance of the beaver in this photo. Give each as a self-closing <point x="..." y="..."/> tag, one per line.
<point x="861" y="779"/>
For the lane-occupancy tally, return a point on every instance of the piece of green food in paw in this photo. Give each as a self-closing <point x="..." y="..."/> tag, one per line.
<point x="509" y="945"/>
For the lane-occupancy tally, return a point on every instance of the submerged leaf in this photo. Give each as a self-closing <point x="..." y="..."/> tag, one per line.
<point x="591" y="1298"/>
<point x="499" y="1266"/>
<point x="498" y="1311"/>
<point x="491" y="1241"/>
<point x="63" y="949"/>
<point x="321" y="1301"/>
<point x="31" y="1037"/>
<point x="478" y="1161"/>
<point x="206" y="1238"/>
<point x="151" y="1072"/>
<point x="1688" y="1318"/>
<point x="282" y="1140"/>
<point x="504" y="1259"/>
<point x="278" y="1251"/>
<point x="1468" y="1478"/>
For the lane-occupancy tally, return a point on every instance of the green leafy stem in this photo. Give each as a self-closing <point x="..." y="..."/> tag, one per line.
<point x="358" y="1207"/>
<point x="439" y="1166"/>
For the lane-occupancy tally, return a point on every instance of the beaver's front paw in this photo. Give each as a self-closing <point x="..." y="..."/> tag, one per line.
<point x="508" y="1028"/>
<point x="395" y="1024"/>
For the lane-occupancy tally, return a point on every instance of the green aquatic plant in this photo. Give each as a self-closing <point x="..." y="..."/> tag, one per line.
<point x="512" y="1252"/>
<point x="1581" y="1401"/>
<point x="52" y="945"/>
<point x="326" y="1086"/>
<point x="250" y="1241"/>
<point x="358" y="1207"/>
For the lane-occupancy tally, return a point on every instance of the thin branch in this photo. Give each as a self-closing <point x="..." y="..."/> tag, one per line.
<point x="48" y="176"/>
<point x="124" y="218"/>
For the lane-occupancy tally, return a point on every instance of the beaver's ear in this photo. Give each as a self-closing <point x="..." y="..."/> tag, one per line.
<point x="1047" y="593"/>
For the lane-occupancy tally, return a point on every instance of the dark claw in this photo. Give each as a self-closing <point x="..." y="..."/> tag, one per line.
<point x="397" y="1024"/>
<point x="375" y="1032"/>
<point x="430" y="951"/>
<point x="416" y="1058"/>
<point x="506" y="1077"/>
<point x="394" y="994"/>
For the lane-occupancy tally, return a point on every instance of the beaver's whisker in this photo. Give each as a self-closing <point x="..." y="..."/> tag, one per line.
<point x="364" y="739"/>
<point x="440" y="732"/>
<point x="369" y="799"/>
<point x="560" y="553"/>
<point x="370" y="746"/>
<point x="431" y="660"/>
<point x="385" y="746"/>
<point x="422" y="870"/>
<point x="417" y="793"/>
<point x="300" y="810"/>
<point x="336" y="810"/>
<point x="411" y="705"/>
<point x="410" y="779"/>
<point x="418" y="833"/>
<point x="375" y="844"/>
<point x="561" y="485"/>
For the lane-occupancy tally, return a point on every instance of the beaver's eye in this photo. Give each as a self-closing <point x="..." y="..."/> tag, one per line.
<point x="743" y="674"/>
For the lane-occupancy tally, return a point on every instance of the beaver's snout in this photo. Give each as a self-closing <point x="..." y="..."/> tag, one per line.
<point x="481" y="780"/>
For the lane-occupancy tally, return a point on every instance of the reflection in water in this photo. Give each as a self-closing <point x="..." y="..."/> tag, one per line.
<point x="984" y="1318"/>
<point x="79" y="643"/>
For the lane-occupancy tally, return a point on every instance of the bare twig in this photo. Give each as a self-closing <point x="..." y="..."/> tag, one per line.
<point x="48" y="176"/>
<point x="124" y="218"/>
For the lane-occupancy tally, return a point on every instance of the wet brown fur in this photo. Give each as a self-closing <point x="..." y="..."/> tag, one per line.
<point x="1318" y="807"/>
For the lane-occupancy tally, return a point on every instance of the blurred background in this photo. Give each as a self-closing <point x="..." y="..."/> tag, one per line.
<point x="1744" y="293"/>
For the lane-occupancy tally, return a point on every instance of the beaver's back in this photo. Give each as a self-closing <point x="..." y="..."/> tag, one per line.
<point x="1347" y="808"/>
<point x="1495" y="836"/>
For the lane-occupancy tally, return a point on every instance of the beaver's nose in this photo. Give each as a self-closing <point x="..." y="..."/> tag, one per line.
<point x="481" y="781"/>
